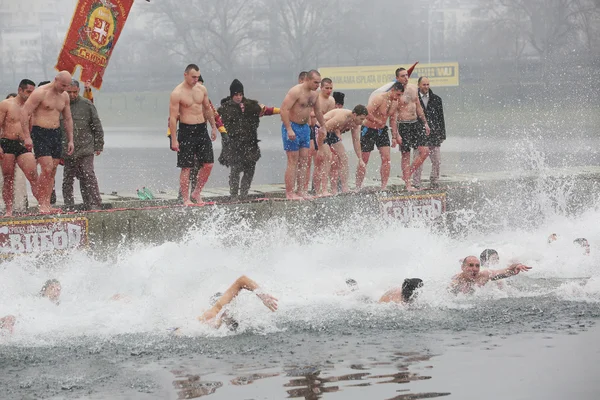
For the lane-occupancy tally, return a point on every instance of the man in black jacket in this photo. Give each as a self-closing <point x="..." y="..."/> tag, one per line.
<point x="434" y="113"/>
<point x="241" y="117"/>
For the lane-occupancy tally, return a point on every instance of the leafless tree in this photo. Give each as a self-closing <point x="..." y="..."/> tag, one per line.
<point x="302" y="30"/>
<point x="209" y="31"/>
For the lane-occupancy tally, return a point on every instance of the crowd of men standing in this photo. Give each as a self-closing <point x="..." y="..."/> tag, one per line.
<point x="47" y="126"/>
<point x="313" y="121"/>
<point x="52" y="124"/>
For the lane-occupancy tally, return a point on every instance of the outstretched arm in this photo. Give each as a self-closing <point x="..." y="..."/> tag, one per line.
<point x="356" y="144"/>
<point x="243" y="282"/>
<point x="514" y="269"/>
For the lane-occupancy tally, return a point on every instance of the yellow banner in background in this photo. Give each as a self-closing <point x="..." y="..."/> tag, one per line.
<point x="372" y="77"/>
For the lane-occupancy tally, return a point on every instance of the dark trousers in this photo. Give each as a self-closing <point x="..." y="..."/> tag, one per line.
<point x="247" y="169"/>
<point x="81" y="168"/>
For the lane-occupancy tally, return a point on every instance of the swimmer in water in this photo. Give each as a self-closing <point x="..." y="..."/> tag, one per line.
<point x="472" y="276"/>
<point x="585" y="245"/>
<point x="405" y="294"/>
<point x="7" y="324"/>
<point x="215" y="318"/>
<point x="51" y="290"/>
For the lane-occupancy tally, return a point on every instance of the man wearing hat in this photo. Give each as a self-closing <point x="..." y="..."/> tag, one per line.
<point x="241" y="117"/>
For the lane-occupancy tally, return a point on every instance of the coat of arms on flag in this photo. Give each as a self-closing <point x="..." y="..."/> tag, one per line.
<point x="92" y="36"/>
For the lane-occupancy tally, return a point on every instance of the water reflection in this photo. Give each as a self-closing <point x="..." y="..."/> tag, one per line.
<point x="312" y="382"/>
<point x="308" y="383"/>
<point x="191" y="387"/>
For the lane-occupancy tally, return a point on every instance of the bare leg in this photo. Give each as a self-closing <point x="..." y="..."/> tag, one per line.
<point x="385" y="166"/>
<point x="311" y="157"/>
<point x="419" y="160"/>
<point x="405" y="163"/>
<point x="301" y="173"/>
<point x="203" y="175"/>
<point x="290" y="174"/>
<point x="319" y="160"/>
<point x="338" y="154"/>
<point x="8" y="172"/>
<point x="46" y="182"/>
<point x="361" y="171"/>
<point x="322" y="173"/>
<point x="416" y="176"/>
<point x="29" y="167"/>
<point x="184" y="185"/>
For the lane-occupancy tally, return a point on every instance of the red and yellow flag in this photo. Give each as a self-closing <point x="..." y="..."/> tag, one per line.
<point x="94" y="31"/>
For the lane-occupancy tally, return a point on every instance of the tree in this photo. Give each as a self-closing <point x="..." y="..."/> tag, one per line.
<point x="302" y="30"/>
<point x="213" y="31"/>
<point x="546" y="26"/>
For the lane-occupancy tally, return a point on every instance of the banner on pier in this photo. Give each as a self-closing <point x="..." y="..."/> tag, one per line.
<point x="407" y="208"/>
<point x="38" y="236"/>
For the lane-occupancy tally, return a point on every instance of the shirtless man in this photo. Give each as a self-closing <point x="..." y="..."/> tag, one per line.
<point x="322" y="154"/>
<point x="410" y="131"/>
<point x="302" y="77"/>
<point x="472" y="276"/>
<point x="404" y="294"/>
<point x="375" y="132"/>
<point x="46" y="104"/>
<point x="338" y="121"/>
<point x="215" y="318"/>
<point x="189" y="102"/>
<point x="295" y="132"/>
<point x="12" y="149"/>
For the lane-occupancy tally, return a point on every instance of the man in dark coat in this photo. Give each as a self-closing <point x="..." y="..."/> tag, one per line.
<point x="434" y="113"/>
<point x="241" y="117"/>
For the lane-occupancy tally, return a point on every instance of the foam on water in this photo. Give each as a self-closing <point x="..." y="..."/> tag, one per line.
<point x="170" y="284"/>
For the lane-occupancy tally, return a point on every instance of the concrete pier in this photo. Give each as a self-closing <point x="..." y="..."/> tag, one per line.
<point x="499" y="198"/>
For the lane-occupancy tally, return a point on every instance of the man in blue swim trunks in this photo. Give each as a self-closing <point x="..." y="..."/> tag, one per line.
<point x="295" y="132"/>
<point x="45" y="106"/>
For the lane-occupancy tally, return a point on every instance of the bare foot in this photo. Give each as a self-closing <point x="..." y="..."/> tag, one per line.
<point x="188" y="203"/>
<point x="325" y="194"/>
<point x="294" y="196"/>
<point x="8" y="214"/>
<point x="197" y="200"/>
<point x="306" y="196"/>
<point x="412" y="189"/>
<point x="49" y="210"/>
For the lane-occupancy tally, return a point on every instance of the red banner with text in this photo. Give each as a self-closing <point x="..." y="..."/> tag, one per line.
<point x="92" y="36"/>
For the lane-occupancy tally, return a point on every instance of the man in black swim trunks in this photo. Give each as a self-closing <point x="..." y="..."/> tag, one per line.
<point x="374" y="132"/>
<point x="44" y="107"/>
<point x="12" y="150"/>
<point x="413" y="128"/>
<point x="189" y="103"/>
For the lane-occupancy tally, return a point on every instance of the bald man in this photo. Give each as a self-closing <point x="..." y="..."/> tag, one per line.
<point x="45" y="106"/>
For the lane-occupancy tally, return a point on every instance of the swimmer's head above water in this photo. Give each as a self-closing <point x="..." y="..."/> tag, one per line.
<point x="352" y="284"/>
<point x="409" y="287"/>
<point x="489" y="258"/>
<point x="584" y="244"/>
<point x="51" y="290"/>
